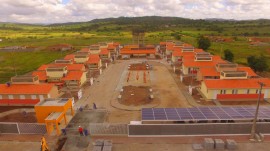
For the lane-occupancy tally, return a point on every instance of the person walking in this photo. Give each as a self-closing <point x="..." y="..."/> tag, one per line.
<point x="80" y="130"/>
<point x="94" y="106"/>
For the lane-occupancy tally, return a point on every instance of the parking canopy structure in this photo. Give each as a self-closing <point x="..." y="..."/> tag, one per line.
<point x="239" y="113"/>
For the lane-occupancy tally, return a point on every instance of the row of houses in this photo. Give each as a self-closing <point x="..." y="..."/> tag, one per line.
<point x="218" y="79"/>
<point x="47" y="81"/>
<point x="135" y="51"/>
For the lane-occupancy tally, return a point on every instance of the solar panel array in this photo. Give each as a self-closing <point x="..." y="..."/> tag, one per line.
<point x="204" y="113"/>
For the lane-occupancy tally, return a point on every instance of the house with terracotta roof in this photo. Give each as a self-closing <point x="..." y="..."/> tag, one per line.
<point x="137" y="52"/>
<point x="113" y="49"/>
<point x="103" y="44"/>
<point x="74" y="79"/>
<point x="94" y="62"/>
<point x="192" y="64"/>
<point x="172" y="46"/>
<point x="180" y="53"/>
<point x="25" y="91"/>
<point x="105" y="54"/>
<point x="215" y="72"/>
<point x="162" y="47"/>
<point x="234" y="88"/>
<point x="80" y="57"/>
<point x="87" y="49"/>
<point x="70" y="57"/>
<point x="94" y="49"/>
<point x="63" y="61"/>
<point x="60" y="74"/>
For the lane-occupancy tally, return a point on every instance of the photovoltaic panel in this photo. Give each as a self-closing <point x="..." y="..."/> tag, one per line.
<point x="204" y="113"/>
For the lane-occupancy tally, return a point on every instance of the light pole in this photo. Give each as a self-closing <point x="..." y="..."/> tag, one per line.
<point x="253" y="129"/>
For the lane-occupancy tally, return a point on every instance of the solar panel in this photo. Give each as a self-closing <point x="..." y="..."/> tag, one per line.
<point x="204" y="113"/>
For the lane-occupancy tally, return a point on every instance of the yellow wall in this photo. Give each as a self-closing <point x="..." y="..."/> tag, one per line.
<point x="56" y="74"/>
<point x="185" y="69"/>
<point x="95" y="51"/>
<point x="80" y="60"/>
<point x="83" y="78"/>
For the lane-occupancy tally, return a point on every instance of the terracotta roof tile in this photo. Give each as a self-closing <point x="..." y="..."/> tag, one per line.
<point x="70" y="67"/>
<point x="73" y="75"/>
<point x="104" y="51"/>
<point x="209" y="72"/>
<point x="68" y="57"/>
<point x="41" y="75"/>
<point x="248" y="70"/>
<point x="141" y="51"/>
<point x="26" y="88"/>
<point x="85" y="49"/>
<point x="236" y="83"/>
<point x="93" y="58"/>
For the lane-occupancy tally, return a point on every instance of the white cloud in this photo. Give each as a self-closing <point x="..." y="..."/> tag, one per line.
<point x="54" y="11"/>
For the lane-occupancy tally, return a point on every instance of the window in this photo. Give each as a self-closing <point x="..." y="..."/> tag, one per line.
<point x="22" y="97"/>
<point x="1" y="97"/>
<point x="10" y="97"/>
<point x="222" y="91"/>
<point x="247" y="91"/>
<point x="33" y="97"/>
<point x="234" y="91"/>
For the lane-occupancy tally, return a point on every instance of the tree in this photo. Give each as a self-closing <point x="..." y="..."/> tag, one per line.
<point x="258" y="64"/>
<point x="203" y="43"/>
<point x="228" y="55"/>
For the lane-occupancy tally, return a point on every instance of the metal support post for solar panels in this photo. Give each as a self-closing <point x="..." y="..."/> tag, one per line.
<point x="253" y="129"/>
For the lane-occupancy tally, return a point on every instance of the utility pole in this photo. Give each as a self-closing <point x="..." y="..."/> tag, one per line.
<point x="253" y="129"/>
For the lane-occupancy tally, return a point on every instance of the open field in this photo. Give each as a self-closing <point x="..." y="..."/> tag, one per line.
<point x="120" y="29"/>
<point x="18" y="63"/>
<point x="241" y="48"/>
<point x="28" y="61"/>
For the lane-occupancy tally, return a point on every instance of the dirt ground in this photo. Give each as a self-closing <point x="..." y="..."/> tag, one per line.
<point x="133" y="95"/>
<point x="190" y="81"/>
<point x="8" y="108"/>
<point x="29" y="117"/>
<point x="113" y="79"/>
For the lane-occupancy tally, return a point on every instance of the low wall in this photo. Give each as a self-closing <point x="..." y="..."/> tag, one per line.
<point x="16" y="111"/>
<point x="195" y="129"/>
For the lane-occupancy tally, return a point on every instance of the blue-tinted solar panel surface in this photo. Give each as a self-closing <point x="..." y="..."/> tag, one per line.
<point x="204" y="113"/>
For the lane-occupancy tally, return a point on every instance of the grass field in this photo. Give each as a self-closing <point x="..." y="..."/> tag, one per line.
<point x="83" y="34"/>
<point x="18" y="63"/>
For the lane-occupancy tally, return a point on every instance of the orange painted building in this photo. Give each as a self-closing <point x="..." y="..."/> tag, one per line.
<point x="53" y="111"/>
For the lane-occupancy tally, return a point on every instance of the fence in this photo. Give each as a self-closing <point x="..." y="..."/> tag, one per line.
<point x="195" y="129"/>
<point x="22" y="128"/>
<point x="100" y="129"/>
<point x="108" y="129"/>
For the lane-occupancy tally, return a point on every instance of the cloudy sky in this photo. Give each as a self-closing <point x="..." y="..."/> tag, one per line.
<point x="59" y="11"/>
